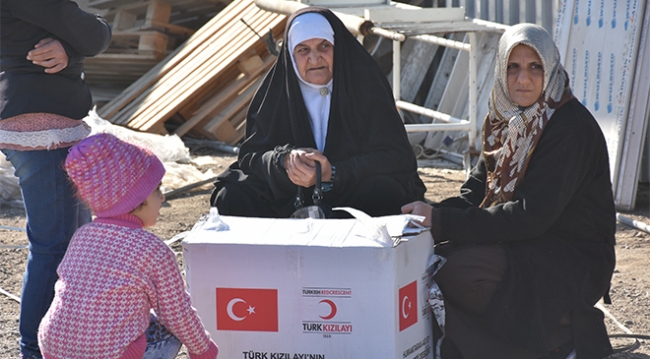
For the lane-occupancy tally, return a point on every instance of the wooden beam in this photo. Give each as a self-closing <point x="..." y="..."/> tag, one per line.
<point x="185" y="73"/>
<point x="123" y="20"/>
<point x="221" y="53"/>
<point x="222" y="98"/>
<point x="158" y="11"/>
<point x="241" y="101"/>
<point x="169" y="96"/>
<point x="173" y="59"/>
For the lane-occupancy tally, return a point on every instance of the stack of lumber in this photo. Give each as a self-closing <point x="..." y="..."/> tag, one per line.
<point x="205" y="84"/>
<point x="144" y="32"/>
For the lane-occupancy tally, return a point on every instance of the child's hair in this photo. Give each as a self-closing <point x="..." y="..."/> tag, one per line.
<point x="112" y="176"/>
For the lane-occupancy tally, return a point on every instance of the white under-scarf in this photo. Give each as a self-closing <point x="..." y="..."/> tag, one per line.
<point x="317" y="97"/>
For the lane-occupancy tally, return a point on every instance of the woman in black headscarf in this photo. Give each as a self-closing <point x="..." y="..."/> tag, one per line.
<point x="530" y="240"/>
<point x="324" y="100"/>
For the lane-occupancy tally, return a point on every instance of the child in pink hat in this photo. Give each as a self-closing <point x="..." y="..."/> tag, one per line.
<point x="120" y="293"/>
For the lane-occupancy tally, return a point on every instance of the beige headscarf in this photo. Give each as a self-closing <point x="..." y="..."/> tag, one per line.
<point x="510" y="133"/>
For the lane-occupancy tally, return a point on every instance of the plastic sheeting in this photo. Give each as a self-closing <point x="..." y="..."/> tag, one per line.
<point x="9" y="190"/>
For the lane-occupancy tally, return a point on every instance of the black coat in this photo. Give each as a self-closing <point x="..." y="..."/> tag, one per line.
<point x="366" y="136"/>
<point x="558" y="231"/>
<point x="25" y="87"/>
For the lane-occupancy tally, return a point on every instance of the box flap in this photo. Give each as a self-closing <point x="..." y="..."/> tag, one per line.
<point x="363" y="231"/>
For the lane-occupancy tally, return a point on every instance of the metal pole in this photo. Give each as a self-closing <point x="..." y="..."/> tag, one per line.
<point x="531" y="11"/>
<point x="470" y="8"/>
<point x="429" y="113"/>
<point x="458" y="45"/>
<point x="547" y="16"/>
<point x="633" y="223"/>
<point x="492" y="26"/>
<point x="355" y="24"/>
<point x="426" y="127"/>
<point x="396" y="69"/>
<point x="485" y="10"/>
<point x="513" y="12"/>
<point x="473" y="97"/>
<point x="498" y="11"/>
<point x="389" y="34"/>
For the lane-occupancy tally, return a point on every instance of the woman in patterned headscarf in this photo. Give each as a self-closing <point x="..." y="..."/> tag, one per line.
<point x="530" y="240"/>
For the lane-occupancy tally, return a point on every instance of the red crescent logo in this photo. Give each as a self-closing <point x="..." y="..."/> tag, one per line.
<point x="332" y="309"/>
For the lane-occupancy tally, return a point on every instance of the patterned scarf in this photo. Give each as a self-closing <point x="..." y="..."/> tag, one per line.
<point x="511" y="133"/>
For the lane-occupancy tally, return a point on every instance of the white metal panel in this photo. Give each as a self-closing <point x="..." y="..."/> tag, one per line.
<point x="598" y="42"/>
<point x="415" y="58"/>
<point x="384" y="15"/>
<point x="454" y="101"/>
<point x="635" y="134"/>
<point x="328" y="3"/>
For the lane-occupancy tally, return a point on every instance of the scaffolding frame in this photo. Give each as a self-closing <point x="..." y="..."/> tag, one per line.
<point x="408" y="23"/>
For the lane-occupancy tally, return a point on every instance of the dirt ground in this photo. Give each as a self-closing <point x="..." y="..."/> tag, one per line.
<point x="630" y="291"/>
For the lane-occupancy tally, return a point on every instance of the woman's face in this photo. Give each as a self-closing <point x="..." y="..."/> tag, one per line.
<point x="525" y="75"/>
<point x="315" y="60"/>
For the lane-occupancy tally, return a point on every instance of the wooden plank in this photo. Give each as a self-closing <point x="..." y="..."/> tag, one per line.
<point x="123" y="20"/>
<point x="150" y="15"/>
<point x="203" y="49"/>
<point x="210" y="90"/>
<point x="169" y="63"/>
<point x="228" y="133"/>
<point x="172" y="60"/>
<point x="164" y="110"/>
<point x="207" y="92"/>
<point x="107" y="4"/>
<point x="234" y="107"/>
<point x="194" y="72"/>
<point x="239" y="122"/>
<point x="224" y="97"/>
<point x="181" y="30"/>
<point x="172" y="94"/>
<point x="154" y="42"/>
<point x="143" y="43"/>
<point x="250" y="65"/>
<point x="158" y="11"/>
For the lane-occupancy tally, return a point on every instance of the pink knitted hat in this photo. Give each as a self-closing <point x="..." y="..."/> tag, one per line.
<point x="112" y="176"/>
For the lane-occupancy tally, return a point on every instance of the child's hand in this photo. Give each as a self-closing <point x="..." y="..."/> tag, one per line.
<point x="50" y="54"/>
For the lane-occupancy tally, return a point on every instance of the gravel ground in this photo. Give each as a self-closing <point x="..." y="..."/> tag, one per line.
<point x="630" y="291"/>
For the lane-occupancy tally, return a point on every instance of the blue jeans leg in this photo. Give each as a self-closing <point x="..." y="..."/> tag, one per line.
<point x="53" y="214"/>
<point x="161" y="344"/>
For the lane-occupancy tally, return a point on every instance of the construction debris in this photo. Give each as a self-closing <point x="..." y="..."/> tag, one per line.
<point x="204" y="86"/>
<point x="144" y="32"/>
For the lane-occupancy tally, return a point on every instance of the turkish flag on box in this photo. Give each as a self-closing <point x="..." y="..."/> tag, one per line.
<point x="247" y="309"/>
<point x="408" y="305"/>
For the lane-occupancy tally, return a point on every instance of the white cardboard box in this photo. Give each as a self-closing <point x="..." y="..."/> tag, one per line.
<point x="311" y="288"/>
